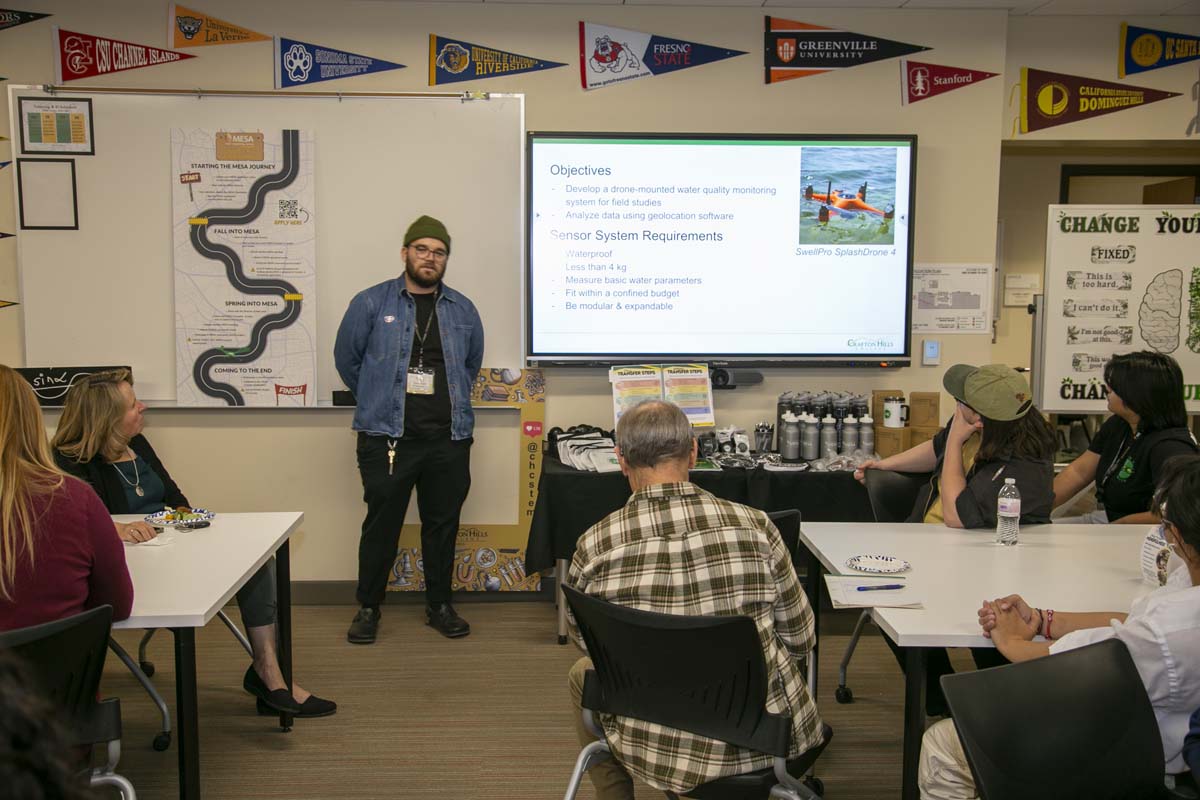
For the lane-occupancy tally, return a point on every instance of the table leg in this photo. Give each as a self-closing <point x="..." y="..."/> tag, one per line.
<point x="560" y="572"/>
<point x="283" y="619"/>
<point x="812" y="588"/>
<point x="187" y="714"/>
<point x="915" y="659"/>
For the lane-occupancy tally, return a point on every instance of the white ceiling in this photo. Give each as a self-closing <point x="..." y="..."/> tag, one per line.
<point x="1014" y="7"/>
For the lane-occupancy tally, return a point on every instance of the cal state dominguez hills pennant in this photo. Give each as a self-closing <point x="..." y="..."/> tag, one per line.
<point x="453" y="60"/>
<point x="189" y="28"/>
<point x="11" y="18"/>
<point x="797" y="49"/>
<point x="1144" y="49"/>
<point x="922" y="81"/>
<point x="298" y="63"/>
<point x="1055" y="98"/>
<point x="81" y="55"/>
<point x="610" y="55"/>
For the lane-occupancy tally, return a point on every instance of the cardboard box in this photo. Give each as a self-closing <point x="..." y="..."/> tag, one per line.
<point x="877" y="397"/>
<point x="889" y="441"/>
<point x="924" y="409"/>
<point x="920" y="434"/>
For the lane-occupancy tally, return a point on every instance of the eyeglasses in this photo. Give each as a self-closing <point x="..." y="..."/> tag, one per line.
<point x="425" y="252"/>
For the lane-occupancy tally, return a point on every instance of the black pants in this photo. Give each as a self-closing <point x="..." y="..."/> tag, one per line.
<point x="440" y="470"/>
<point x="937" y="664"/>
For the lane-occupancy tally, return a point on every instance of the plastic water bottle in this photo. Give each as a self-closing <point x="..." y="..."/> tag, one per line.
<point x="1008" y="513"/>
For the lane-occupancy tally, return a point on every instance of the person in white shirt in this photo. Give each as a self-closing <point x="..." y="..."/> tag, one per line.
<point x="1161" y="630"/>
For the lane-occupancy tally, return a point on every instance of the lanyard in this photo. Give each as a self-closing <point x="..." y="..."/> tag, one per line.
<point x="1126" y="446"/>
<point x="421" y="334"/>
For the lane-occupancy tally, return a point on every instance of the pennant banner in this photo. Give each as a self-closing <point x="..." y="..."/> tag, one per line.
<point x="10" y="18"/>
<point x="1144" y="49"/>
<point x="4" y="235"/>
<point x="4" y="164"/>
<point x="298" y="63"/>
<point x="797" y="49"/>
<point x="81" y="55"/>
<point x="7" y="303"/>
<point x="610" y="55"/>
<point x="1054" y="98"/>
<point x="188" y="28"/>
<point x="453" y="60"/>
<point x="922" y="81"/>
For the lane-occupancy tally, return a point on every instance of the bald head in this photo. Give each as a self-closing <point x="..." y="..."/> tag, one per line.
<point x="654" y="433"/>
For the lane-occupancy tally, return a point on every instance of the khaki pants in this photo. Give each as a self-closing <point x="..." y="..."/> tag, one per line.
<point x="611" y="780"/>
<point x="944" y="773"/>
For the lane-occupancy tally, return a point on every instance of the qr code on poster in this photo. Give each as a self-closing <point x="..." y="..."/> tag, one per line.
<point x="289" y="209"/>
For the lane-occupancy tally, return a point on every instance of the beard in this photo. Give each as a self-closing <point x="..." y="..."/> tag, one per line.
<point x="410" y="269"/>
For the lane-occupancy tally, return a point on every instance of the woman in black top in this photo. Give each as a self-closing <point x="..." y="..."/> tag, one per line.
<point x="99" y="440"/>
<point x="1126" y="457"/>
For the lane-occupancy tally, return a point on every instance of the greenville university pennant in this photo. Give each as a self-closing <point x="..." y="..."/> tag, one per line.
<point x="797" y="49"/>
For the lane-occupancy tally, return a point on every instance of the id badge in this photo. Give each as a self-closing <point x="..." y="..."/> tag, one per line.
<point x="420" y="381"/>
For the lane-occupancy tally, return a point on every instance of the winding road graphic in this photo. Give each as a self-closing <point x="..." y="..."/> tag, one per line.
<point x="218" y="356"/>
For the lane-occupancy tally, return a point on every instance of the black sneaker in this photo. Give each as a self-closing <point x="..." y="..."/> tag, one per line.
<point x="443" y="619"/>
<point x="364" y="627"/>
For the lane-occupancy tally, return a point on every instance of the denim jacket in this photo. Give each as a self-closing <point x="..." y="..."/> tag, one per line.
<point x="374" y="343"/>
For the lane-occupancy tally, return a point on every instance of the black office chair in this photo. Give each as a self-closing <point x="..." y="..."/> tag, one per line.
<point x="705" y="675"/>
<point x="892" y="496"/>
<point x="1075" y="724"/>
<point x="788" y="524"/>
<point x="67" y="657"/>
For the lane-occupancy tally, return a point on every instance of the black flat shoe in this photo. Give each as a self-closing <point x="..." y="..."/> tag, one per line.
<point x="364" y="627"/>
<point x="312" y="707"/>
<point x="443" y="619"/>
<point x="280" y="701"/>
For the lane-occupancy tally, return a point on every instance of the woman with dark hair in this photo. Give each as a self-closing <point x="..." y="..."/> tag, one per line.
<point x="1161" y="631"/>
<point x="1126" y="457"/>
<point x="996" y="433"/>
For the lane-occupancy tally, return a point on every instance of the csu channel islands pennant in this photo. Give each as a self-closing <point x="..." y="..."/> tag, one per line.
<point x="188" y="28"/>
<point x="1144" y="49"/>
<point x="797" y="49"/>
<point x="610" y="55"/>
<point x="922" y="81"/>
<point x="11" y="18"/>
<point x="453" y="60"/>
<point x="1054" y="98"/>
<point x="81" y="55"/>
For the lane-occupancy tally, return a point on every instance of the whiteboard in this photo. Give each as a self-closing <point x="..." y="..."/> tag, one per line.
<point x="1118" y="279"/>
<point x="103" y="294"/>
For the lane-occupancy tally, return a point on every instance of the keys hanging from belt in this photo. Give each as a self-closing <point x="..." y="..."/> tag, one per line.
<point x="391" y="455"/>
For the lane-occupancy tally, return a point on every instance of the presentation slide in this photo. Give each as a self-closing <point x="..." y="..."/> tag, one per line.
<point x="717" y="248"/>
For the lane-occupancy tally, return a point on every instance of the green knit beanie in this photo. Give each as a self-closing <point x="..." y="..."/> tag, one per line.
<point x="426" y="226"/>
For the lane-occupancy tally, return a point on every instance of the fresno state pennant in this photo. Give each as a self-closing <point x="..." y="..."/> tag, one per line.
<point x="610" y="55"/>
<point x="188" y="28"/>
<point x="81" y="55"/>
<point x="1144" y="49"/>
<point x="922" y="81"/>
<point x="797" y="49"/>
<point x="453" y="60"/>
<point x="1054" y="98"/>
<point x="10" y="18"/>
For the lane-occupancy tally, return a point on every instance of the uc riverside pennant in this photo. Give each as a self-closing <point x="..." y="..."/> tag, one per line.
<point x="797" y="49"/>
<point x="190" y="28"/>
<point x="1144" y="49"/>
<point x="922" y="81"/>
<point x="81" y="55"/>
<point x="611" y="55"/>
<point x="10" y="18"/>
<point x="1054" y="98"/>
<point x="298" y="63"/>
<point x="453" y="60"/>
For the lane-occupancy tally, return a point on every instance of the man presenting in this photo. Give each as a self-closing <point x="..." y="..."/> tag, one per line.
<point x="409" y="349"/>
<point x="674" y="548"/>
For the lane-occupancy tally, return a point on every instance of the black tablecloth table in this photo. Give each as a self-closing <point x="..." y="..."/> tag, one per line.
<point x="570" y="501"/>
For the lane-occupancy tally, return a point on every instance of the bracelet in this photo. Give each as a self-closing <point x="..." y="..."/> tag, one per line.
<point x="1049" y="621"/>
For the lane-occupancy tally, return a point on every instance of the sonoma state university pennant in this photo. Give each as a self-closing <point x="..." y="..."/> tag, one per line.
<point x="922" y="81"/>
<point x="1144" y="49"/>
<point x="797" y="49"/>
<point x="81" y="55"/>
<point x="1054" y="98"/>
<point x="610" y="55"/>
<point x="453" y="61"/>
<point x="189" y="28"/>
<point x="11" y="18"/>
<point x="298" y="63"/>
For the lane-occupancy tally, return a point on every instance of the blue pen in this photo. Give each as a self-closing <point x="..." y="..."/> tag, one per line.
<point x="881" y="587"/>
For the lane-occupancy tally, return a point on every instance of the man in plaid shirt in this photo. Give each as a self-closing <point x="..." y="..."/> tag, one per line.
<point x="674" y="548"/>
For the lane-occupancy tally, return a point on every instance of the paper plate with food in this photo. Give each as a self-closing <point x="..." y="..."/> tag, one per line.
<point x="181" y="517"/>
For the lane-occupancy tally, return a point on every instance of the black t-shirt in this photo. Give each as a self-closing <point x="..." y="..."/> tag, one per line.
<point x="1126" y="487"/>
<point x="427" y="416"/>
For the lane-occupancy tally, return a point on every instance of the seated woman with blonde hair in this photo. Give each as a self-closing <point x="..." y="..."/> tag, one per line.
<point x="99" y="439"/>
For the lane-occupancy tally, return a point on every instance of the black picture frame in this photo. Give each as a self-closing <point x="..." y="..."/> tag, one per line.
<point x="21" y="196"/>
<point x="91" y="125"/>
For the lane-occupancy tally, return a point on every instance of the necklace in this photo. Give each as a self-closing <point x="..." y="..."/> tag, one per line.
<point x="136" y="483"/>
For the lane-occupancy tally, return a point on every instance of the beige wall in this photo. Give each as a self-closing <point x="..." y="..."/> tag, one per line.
<point x="304" y="459"/>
